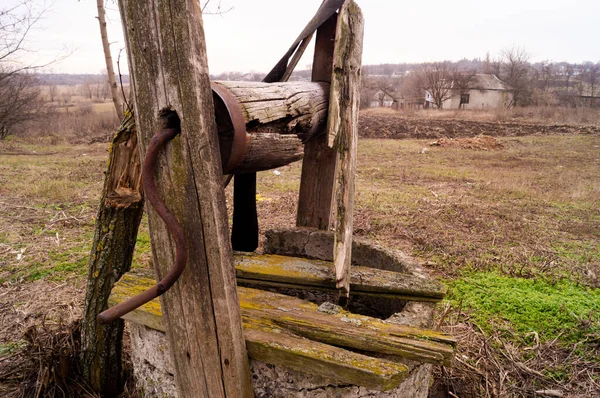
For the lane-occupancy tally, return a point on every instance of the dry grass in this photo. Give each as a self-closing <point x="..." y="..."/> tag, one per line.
<point x="528" y="209"/>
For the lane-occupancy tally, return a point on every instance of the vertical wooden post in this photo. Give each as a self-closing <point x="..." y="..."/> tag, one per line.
<point x="168" y="66"/>
<point x="319" y="163"/>
<point x="342" y="132"/>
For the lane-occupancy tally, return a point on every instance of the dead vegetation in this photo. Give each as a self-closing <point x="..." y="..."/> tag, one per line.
<point x="39" y="340"/>
<point x="528" y="210"/>
<point x="491" y="365"/>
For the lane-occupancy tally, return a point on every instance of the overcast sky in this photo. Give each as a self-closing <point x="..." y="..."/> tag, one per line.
<point x="256" y="33"/>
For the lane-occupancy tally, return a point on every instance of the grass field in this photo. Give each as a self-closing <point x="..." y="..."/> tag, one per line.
<point x="514" y="232"/>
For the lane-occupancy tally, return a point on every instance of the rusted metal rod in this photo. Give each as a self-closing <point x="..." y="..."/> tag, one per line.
<point x="181" y="253"/>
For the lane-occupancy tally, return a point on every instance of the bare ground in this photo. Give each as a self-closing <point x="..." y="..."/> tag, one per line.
<point x="529" y="208"/>
<point x="397" y="125"/>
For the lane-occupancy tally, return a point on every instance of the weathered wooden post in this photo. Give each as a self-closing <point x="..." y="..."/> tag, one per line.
<point x="329" y="166"/>
<point x="168" y="66"/>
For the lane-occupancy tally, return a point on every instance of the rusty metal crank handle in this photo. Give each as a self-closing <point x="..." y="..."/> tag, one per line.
<point x="157" y="142"/>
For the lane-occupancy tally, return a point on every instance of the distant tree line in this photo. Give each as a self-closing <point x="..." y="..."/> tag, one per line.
<point x="541" y="83"/>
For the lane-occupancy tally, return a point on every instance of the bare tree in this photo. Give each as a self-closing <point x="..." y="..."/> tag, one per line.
<point x="110" y="70"/>
<point x="569" y="72"/>
<point x="53" y="92"/>
<point x="435" y="78"/>
<point x="591" y="77"/>
<point x="20" y="102"/>
<point x="379" y="88"/>
<point x="20" y="98"/>
<point x="546" y="73"/>
<point x="462" y="80"/>
<point x="515" y="70"/>
<point x="86" y="89"/>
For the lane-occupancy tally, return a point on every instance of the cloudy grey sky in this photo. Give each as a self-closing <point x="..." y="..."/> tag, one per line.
<point x="256" y="33"/>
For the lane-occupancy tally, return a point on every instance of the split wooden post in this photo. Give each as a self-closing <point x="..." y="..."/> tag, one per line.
<point x="168" y="66"/>
<point x="342" y="132"/>
<point x="329" y="165"/>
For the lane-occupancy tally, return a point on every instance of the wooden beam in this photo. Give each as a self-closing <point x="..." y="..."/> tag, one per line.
<point x="308" y="356"/>
<point x="168" y="66"/>
<point x="342" y="132"/>
<point x="295" y="272"/>
<point x="280" y="314"/>
<point x="319" y="164"/>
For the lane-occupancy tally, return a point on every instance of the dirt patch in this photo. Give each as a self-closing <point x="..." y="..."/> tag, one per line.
<point x="399" y="126"/>
<point x="481" y="143"/>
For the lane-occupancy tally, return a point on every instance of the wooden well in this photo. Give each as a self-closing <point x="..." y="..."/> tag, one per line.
<point x="300" y="340"/>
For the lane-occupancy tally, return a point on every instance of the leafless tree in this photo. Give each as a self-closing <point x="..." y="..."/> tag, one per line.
<point x="462" y="80"/>
<point x="20" y="102"/>
<point x="213" y="7"/>
<point x="592" y="75"/>
<point x="569" y="72"/>
<point x="20" y="98"/>
<point x="66" y="96"/>
<point x="86" y="89"/>
<point x="515" y="70"/>
<point x="435" y="78"/>
<point x="53" y="92"/>
<point x="545" y="75"/>
<point x="110" y="70"/>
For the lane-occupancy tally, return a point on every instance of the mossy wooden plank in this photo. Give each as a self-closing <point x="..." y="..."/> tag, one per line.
<point x="275" y="270"/>
<point x="344" y="329"/>
<point x="320" y="359"/>
<point x="304" y="319"/>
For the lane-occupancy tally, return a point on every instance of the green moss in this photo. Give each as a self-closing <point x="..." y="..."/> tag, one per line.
<point x="561" y="310"/>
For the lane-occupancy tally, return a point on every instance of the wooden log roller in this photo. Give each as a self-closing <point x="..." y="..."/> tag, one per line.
<point x="263" y="126"/>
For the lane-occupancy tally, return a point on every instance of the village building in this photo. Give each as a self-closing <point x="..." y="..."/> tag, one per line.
<point x="382" y="100"/>
<point x="485" y="91"/>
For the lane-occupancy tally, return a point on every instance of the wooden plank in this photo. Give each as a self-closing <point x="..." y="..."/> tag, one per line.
<point x="284" y="271"/>
<point x="304" y="355"/>
<point x="342" y="132"/>
<point x="343" y="329"/>
<point x="319" y="163"/>
<point x="168" y="66"/>
<point x="302" y="318"/>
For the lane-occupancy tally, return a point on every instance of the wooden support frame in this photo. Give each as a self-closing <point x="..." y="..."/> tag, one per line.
<point x="329" y="166"/>
<point x="319" y="163"/>
<point x="168" y="66"/>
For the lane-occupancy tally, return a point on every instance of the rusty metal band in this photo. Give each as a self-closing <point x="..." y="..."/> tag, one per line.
<point x="241" y="139"/>
<point x="157" y="142"/>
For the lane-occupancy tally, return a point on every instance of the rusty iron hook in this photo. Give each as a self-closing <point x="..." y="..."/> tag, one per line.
<point x="157" y="142"/>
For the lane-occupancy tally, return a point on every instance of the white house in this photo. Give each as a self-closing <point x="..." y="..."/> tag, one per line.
<point x="485" y="91"/>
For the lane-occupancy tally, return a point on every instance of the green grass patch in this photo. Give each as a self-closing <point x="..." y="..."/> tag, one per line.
<point x="62" y="264"/>
<point x="10" y="347"/>
<point x="561" y="310"/>
<point x="143" y="249"/>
